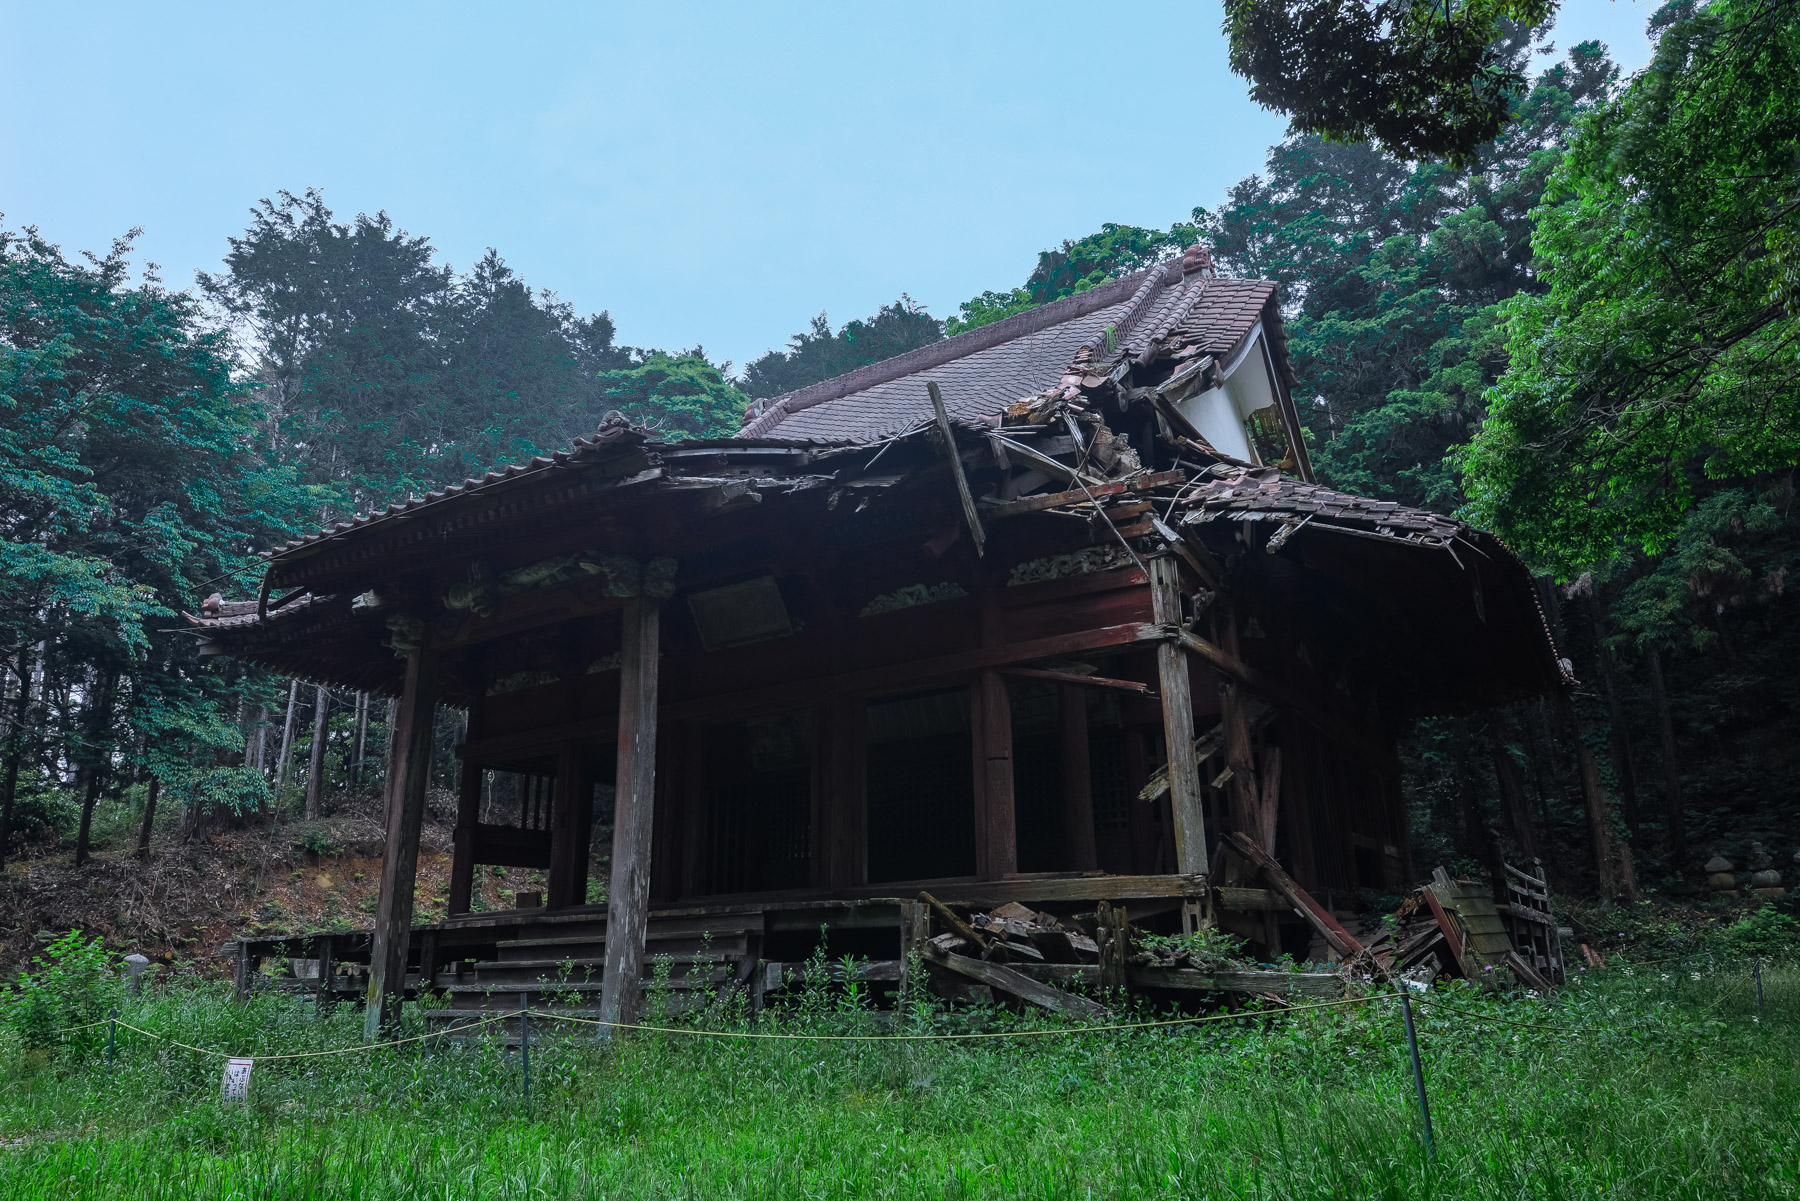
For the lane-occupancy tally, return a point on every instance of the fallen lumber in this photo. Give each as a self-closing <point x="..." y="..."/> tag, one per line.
<point x="1016" y="983"/>
<point x="1335" y="936"/>
<point x="1306" y="984"/>
<point x="1251" y="900"/>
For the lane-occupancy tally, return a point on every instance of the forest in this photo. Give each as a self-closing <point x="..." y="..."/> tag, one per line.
<point x="1582" y="334"/>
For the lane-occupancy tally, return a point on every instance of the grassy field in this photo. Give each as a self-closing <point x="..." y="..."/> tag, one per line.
<point x="1657" y="1082"/>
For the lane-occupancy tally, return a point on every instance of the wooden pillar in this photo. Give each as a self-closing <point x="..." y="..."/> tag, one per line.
<point x="412" y="740"/>
<point x="468" y="816"/>
<point x="628" y="912"/>
<point x="996" y="830"/>
<point x="566" y="854"/>
<point x="1077" y="781"/>
<point x="1185" y="798"/>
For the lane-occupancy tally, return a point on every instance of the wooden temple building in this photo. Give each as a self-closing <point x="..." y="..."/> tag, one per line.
<point x="1041" y="612"/>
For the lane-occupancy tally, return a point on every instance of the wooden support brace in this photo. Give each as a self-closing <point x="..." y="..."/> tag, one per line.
<point x="1335" y="936"/>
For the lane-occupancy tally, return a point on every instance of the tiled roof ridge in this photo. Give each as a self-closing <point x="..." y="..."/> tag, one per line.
<point x="1068" y="308"/>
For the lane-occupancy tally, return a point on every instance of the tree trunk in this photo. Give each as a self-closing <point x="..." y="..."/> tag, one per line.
<point x="96" y="768"/>
<point x="15" y="752"/>
<point x="1673" y="807"/>
<point x="362" y="739"/>
<point x="1606" y="850"/>
<point x="1619" y="739"/>
<point x="315" y="764"/>
<point x="252" y="735"/>
<point x="143" y="846"/>
<point x="1512" y="798"/>
<point x="287" y="738"/>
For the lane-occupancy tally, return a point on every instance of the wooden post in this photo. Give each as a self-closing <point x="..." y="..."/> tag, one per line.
<point x="996" y="830"/>
<point x="315" y="763"/>
<point x="323" y="995"/>
<point x="915" y="932"/>
<point x="468" y="816"/>
<point x="243" y="972"/>
<point x="1178" y="721"/>
<point x="628" y="914"/>
<point x="1077" y="781"/>
<point x="412" y="740"/>
<point x="566" y="855"/>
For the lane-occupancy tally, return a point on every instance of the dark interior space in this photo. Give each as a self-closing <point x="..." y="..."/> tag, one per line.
<point x="921" y="787"/>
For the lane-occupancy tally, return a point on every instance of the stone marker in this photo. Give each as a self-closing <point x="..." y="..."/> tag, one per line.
<point x="1768" y="878"/>
<point x="1717" y="864"/>
<point x="134" y="970"/>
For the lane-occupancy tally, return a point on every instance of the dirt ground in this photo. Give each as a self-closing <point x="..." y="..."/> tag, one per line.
<point x="188" y="897"/>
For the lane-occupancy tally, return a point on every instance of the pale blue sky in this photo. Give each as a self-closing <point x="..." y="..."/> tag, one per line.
<point x="709" y="173"/>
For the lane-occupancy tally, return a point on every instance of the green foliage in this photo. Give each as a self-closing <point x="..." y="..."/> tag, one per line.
<point x="1079" y="264"/>
<point x="1766" y="932"/>
<point x="819" y="354"/>
<point x="1392" y="272"/>
<point x="1666" y="351"/>
<point x="682" y="396"/>
<point x="74" y="982"/>
<point x="384" y="371"/>
<point x="1421" y="80"/>
<point x="1207" y="949"/>
<point x="1731" y="549"/>
<point x="1651" y="1084"/>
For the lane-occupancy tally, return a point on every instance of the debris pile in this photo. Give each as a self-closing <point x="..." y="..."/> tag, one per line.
<point x="1456" y="928"/>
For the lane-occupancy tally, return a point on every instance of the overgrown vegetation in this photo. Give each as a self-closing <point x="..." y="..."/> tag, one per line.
<point x="1653" y="1081"/>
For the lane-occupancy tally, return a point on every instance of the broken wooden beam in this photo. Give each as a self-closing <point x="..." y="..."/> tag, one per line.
<point x="1017" y="983"/>
<point x="957" y="926"/>
<point x="1072" y="677"/>
<point x="1335" y="936"/>
<point x="956" y="468"/>
<point x="1143" y="482"/>
<point x="1307" y="984"/>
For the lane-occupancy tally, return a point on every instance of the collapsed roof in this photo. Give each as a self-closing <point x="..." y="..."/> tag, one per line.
<point x="1157" y="407"/>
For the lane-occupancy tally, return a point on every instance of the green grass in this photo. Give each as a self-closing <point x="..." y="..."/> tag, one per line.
<point x="1671" y="1088"/>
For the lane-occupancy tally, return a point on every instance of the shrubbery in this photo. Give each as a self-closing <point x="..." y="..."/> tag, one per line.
<point x="72" y="983"/>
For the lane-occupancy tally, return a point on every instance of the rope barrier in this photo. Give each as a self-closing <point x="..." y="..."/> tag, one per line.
<point x="964" y="1036"/>
<point x="396" y="1042"/>
<point x="967" y="1035"/>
